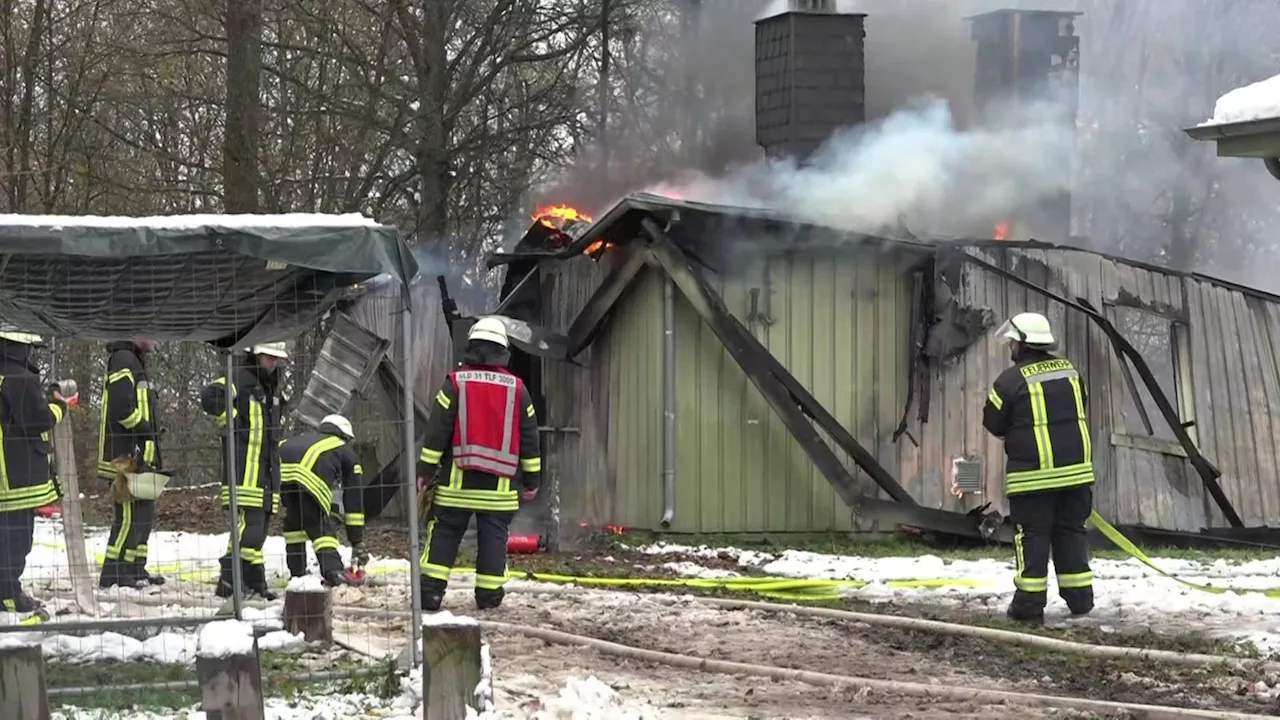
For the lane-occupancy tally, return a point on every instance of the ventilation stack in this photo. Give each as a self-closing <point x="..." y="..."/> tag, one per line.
<point x="809" y="77"/>
<point x="1026" y="56"/>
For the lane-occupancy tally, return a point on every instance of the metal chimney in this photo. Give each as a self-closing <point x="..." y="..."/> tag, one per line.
<point x="809" y="77"/>
<point x="1026" y="56"/>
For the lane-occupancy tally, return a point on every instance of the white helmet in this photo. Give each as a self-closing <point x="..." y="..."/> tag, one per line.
<point x="22" y="338"/>
<point x="274" y="349"/>
<point x="1029" y="328"/>
<point x="489" y="328"/>
<point x="340" y="422"/>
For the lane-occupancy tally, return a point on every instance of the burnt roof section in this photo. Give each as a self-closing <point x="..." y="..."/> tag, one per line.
<point x="621" y="225"/>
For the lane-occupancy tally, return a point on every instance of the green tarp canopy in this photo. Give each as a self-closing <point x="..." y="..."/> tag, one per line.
<point x="228" y="280"/>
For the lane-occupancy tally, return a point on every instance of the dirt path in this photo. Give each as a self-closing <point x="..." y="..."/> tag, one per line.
<point x="829" y="646"/>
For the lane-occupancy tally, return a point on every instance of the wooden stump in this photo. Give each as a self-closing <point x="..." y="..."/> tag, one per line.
<point x="22" y="690"/>
<point x="451" y="666"/>
<point x="309" y="612"/>
<point x="231" y="685"/>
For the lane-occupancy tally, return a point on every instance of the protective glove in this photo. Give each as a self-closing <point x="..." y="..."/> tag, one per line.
<point x="359" y="556"/>
<point x="65" y="393"/>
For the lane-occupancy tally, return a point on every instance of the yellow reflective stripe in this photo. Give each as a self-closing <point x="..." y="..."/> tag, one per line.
<point x="354" y="520"/>
<point x="1073" y="581"/>
<point x="4" y="466"/>
<point x="253" y="448"/>
<point x="324" y="542"/>
<point x="314" y="484"/>
<point x="486" y="500"/>
<point x="490" y="582"/>
<point x="357" y="470"/>
<point x="126" y="524"/>
<point x="1085" y="441"/>
<point x="435" y="572"/>
<point x="1016" y="483"/>
<point x="56" y="409"/>
<point x="430" y="457"/>
<point x="247" y="497"/>
<point x="531" y="465"/>
<point x="1040" y="423"/>
<point x="294" y="537"/>
<point x="993" y="397"/>
<point x="29" y="498"/>
<point x="529" y="411"/>
<point x="443" y="399"/>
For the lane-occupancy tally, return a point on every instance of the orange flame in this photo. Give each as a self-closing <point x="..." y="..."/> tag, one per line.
<point x="1001" y="231"/>
<point x="557" y="216"/>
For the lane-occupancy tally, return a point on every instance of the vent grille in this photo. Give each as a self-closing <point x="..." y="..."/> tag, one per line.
<point x="966" y="476"/>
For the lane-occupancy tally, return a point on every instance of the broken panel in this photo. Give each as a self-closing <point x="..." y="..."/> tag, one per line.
<point x="347" y="361"/>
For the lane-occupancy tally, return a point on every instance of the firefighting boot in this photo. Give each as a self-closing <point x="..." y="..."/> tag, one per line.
<point x="489" y="599"/>
<point x="256" y="581"/>
<point x="146" y="578"/>
<point x="225" y="588"/>
<point x="432" y="594"/>
<point x="117" y="573"/>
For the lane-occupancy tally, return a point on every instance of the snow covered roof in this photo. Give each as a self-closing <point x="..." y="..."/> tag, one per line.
<point x="230" y="280"/>
<point x="1258" y="101"/>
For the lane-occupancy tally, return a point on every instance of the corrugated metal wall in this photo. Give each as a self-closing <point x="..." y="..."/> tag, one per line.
<point x="574" y="445"/>
<point x="1235" y="342"/>
<point x="1142" y="479"/>
<point x="839" y="322"/>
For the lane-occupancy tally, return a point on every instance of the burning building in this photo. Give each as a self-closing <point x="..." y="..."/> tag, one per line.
<point x="694" y="375"/>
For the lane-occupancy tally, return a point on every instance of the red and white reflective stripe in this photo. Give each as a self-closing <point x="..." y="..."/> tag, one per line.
<point x="471" y="456"/>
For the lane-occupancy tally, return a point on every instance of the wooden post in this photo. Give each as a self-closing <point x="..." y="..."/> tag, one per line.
<point x="22" y="690"/>
<point x="451" y="665"/>
<point x="308" y="610"/>
<point x="229" y="673"/>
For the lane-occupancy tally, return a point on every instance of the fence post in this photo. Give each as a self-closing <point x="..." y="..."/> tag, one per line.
<point x="23" y="695"/>
<point x="308" y="609"/>
<point x="452" y="665"/>
<point x="229" y="673"/>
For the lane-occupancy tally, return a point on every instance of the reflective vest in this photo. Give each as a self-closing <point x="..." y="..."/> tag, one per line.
<point x="486" y="429"/>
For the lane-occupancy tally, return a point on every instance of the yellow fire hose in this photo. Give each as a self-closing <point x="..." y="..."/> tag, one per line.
<point x="781" y="588"/>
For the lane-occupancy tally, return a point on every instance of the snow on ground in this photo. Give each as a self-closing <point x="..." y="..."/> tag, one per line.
<point x="1259" y="101"/>
<point x="1128" y="594"/>
<point x="186" y="556"/>
<point x="580" y="699"/>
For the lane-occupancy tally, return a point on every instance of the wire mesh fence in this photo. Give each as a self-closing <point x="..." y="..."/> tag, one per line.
<point x="154" y="488"/>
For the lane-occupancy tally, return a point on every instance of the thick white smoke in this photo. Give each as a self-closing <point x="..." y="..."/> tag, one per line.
<point x="913" y="169"/>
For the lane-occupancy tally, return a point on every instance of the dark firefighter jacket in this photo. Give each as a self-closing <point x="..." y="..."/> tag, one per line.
<point x="475" y="489"/>
<point x="27" y="416"/>
<point x="256" y="413"/>
<point x="1040" y="407"/>
<point x="323" y="462"/>
<point x="128" y="424"/>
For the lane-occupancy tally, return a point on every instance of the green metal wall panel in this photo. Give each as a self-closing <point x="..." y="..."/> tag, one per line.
<point x="633" y="344"/>
<point x="839" y="322"/>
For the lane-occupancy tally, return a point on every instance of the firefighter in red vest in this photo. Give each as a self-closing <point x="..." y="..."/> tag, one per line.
<point x="486" y="420"/>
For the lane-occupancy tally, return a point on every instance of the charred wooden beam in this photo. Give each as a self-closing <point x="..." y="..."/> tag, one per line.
<point x="794" y="404"/>
<point x="593" y="314"/>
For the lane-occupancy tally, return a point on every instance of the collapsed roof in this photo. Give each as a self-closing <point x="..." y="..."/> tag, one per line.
<point x="229" y="280"/>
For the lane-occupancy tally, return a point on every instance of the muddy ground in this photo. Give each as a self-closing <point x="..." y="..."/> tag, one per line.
<point x="527" y="668"/>
<point x="835" y="647"/>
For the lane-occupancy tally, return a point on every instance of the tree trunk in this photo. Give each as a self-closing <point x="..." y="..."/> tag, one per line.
<point x="240" y="174"/>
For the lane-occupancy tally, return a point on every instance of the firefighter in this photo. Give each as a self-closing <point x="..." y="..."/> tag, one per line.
<point x="128" y="437"/>
<point x="313" y="466"/>
<point x="256" y="413"/>
<point x="26" y="472"/>
<point x="486" y="420"/>
<point x="1039" y="407"/>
